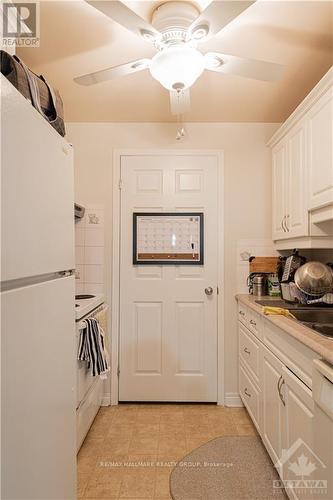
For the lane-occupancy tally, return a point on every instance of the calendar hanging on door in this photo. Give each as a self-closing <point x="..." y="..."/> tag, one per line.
<point x="168" y="238"/>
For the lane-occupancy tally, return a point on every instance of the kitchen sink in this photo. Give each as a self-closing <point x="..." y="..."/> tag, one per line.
<point x="313" y="315"/>
<point x="320" y="321"/>
<point x="292" y="307"/>
<point x="326" y="330"/>
<point x="319" y="317"/>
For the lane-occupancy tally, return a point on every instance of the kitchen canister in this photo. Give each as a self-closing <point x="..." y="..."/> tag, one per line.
<point x="273" y="285"/>
<point x="259" y="286"/>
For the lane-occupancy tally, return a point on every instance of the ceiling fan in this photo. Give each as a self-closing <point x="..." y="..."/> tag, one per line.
<point x="176" y="29"/>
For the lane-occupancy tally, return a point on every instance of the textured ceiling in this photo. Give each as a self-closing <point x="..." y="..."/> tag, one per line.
<point x="77" y="39"/>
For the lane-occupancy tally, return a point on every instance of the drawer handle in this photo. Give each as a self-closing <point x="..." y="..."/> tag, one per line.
<point x="242" y="313"/>
<point x="252" y="322"/>
<point x="246" y="350"/>
<point x="247" y="393"/>
<point x="279" y="387"/>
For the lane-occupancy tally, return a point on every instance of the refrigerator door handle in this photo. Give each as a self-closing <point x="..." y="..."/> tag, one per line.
<point x="34" y="280"/>
<point x="69" y="272"/>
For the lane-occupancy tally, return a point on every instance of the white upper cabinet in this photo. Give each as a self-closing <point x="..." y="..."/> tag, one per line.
<point x="296" y="218"/>
<point x="279" y="190"/>
<point x="320" y="152"/>
<point x="302" y="173"/>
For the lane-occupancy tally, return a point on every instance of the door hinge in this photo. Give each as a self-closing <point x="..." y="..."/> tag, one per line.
<point x="118" y="371"/>
<point x="120" y="184"/>
<point x="217" y="290"/>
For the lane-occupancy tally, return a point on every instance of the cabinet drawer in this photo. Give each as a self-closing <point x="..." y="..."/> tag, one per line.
<point x="251" y="319"/>
<point x="295" y="355"/>
<point x="243" y="314"/>
<point x="249" y="352"/>
<point x="250" y="395"/>
<point x="255" y="323"/>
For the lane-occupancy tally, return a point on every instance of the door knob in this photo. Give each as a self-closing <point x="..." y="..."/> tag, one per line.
<point x="209" y="290"/>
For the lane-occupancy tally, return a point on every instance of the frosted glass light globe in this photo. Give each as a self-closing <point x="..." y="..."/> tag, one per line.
<point x="177" y="68"/>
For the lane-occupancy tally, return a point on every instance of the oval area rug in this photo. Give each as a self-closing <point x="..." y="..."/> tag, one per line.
<point x="226" y="468"/>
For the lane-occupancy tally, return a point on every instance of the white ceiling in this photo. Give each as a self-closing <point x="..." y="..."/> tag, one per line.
<point x="77" y="39"/>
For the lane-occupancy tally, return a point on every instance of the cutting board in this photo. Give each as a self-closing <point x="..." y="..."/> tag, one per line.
<point x="263" y="264"/>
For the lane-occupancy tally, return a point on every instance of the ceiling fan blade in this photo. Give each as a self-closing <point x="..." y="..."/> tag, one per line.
<point x="216" y="16"/>
<point x="248" y="68"/>
<point x="123" y="15"/>
<point x="113" y="72"/>
<point x="180" y="102"/>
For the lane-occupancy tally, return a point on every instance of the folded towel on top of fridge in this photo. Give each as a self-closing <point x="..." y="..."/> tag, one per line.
<point x="92" y="348"/>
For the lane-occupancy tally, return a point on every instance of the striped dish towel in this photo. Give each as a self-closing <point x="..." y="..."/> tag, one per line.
<point x="92" y="348"/>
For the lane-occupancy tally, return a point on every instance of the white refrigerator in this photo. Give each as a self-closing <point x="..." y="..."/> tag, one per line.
<point x="38" y="359"/>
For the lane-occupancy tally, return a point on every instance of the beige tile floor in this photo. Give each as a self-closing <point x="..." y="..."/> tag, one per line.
<point x="131" y="449"/>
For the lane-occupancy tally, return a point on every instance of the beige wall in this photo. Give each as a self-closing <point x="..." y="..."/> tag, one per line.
<point x="247" y="188"/>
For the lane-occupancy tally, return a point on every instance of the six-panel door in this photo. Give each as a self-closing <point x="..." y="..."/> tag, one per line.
<point x="168" y="324"/>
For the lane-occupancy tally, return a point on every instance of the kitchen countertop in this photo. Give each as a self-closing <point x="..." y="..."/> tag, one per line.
<point x="318" y="343"/>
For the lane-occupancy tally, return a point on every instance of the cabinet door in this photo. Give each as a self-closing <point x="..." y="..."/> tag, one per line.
<point x="297" y="434"/>
<point x="273" y="409"/>
<point x="296" y="203"/>
<point x="320" y="155"/>
<point x="279" y="188"/>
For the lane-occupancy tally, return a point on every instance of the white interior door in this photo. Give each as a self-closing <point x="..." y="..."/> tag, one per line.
<point x="168" y="324"/>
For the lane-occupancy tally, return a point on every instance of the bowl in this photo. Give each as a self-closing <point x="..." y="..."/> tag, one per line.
<point x="314" y="279"/>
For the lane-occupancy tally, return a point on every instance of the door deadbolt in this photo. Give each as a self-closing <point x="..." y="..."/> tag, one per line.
<point x="209" y="290"/>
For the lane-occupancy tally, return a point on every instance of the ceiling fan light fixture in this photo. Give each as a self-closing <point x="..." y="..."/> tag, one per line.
<point x="177" y="68"/>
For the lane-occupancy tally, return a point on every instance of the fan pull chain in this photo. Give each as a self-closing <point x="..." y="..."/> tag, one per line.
<point x="180" y="126"/>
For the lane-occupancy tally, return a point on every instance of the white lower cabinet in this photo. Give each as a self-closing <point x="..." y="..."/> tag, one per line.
<point x="297" y="432"/>
<point x="250" y="395"/>
<point x="272" y="407"/>
<point x="281" y="407"/>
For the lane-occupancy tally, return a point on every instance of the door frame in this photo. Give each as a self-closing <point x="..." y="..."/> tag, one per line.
<point x="115" y="280"/>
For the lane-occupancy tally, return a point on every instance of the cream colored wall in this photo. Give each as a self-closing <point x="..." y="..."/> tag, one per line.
<point x="247" y="188"/>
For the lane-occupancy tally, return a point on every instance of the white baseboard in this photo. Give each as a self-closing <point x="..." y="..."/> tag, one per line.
<point x="106" y="400"/>
<point x="233" y="399"/>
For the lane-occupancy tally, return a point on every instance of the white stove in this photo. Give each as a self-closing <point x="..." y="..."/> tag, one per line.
<point x="89" y="389"/>
<point x="85" y="303"/>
